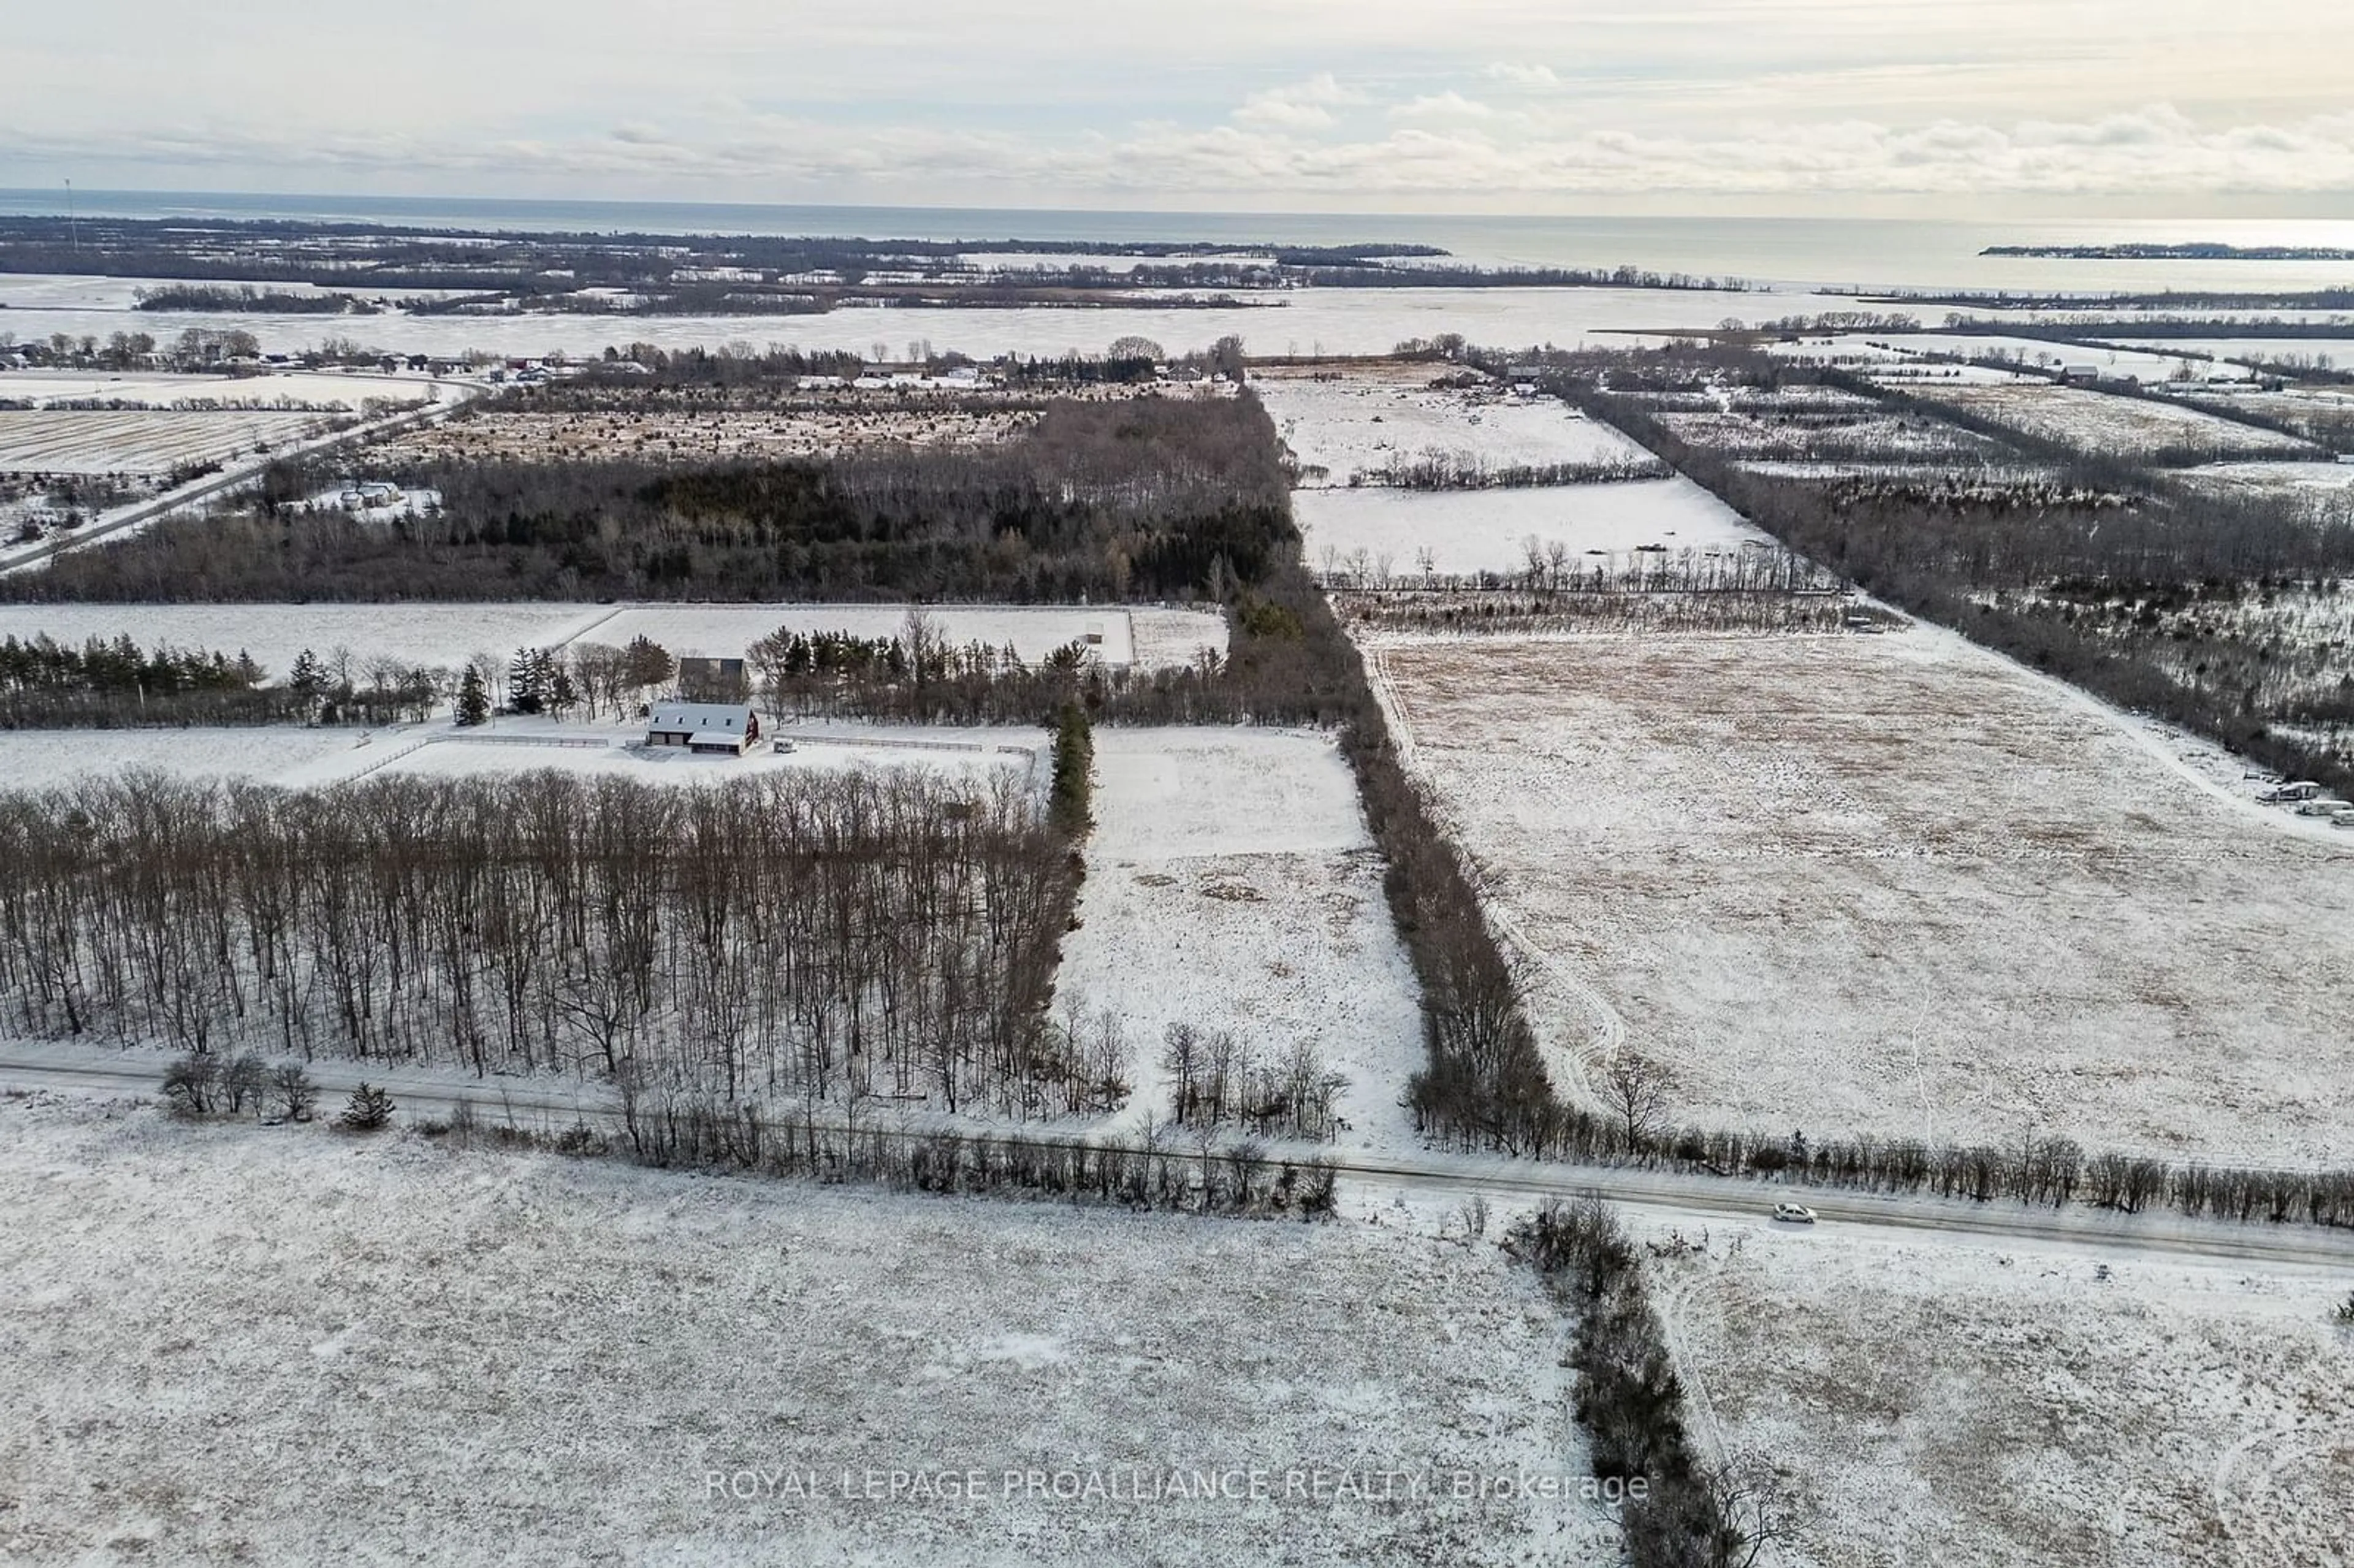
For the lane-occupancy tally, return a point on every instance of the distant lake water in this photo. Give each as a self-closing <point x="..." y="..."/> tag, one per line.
<point x="1790" y="251"/>
<point x="1790" y="260"/>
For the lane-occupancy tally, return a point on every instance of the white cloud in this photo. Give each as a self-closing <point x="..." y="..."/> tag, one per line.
<point x="2153" y="151"/>
<point x="1302" y="106"/>
<point x="1528" y="76"/>
<point x="1447" y="105"/>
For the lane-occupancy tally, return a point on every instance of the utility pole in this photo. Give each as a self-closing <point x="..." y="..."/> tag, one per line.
<point x="73" y="227"/>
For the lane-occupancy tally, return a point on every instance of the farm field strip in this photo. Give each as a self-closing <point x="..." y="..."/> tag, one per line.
<point x="445" y="636"/>
<point x="1470" y="531"/>
<point x="77" y="441"/>
<point x="633" y="1308"/>
<point x="1930" y="1405"/>
<point x="1893" y="885"/>
<point x="1232" y="885"/>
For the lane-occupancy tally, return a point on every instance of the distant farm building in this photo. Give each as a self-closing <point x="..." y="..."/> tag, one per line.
<point x="2079" y="375"/>
<point x="702" y="680"/>
<point x="729" y="728"/>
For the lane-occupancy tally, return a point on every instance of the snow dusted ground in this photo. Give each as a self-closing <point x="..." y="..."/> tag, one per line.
<point x="92" y="441"/>
<point x="164" y="389"/>
<point x="1893" y="884"/>
<point x="1363" y="420"/>
<point x="1933" y="1403"/>
<point x="447" y="635"/>
<point x="1302" y="321"/>
<point x="39" y="759"/>
<point x="1470" y="531"/>
<point x="1232" y="885"/>
<point x="726" y="630"/>
<point x="300" y="756"/>
<point x="2104" y="422"/>
<point x="434" y="635"/>
<point x="2310" y="479"/>
<point x="285" y="1345"/>
<point x="972" y="756"/>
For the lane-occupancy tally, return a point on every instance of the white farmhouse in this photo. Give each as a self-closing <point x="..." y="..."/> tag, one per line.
<point x="729" y="728"/>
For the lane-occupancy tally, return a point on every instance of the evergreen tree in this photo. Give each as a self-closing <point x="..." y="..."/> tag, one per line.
<point x="369" y="1109"/>
<point x="528" y="682"/>
<point x="309" y="677"/>
<point x="648" y="662"/>
<point x="1074" y="756"/>
<point x="473" y="700"/>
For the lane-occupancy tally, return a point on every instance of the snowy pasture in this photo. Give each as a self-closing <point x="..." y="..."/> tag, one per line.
<point x="727" y="630"/>
<point x="232" y="1343"/>
<point x="432" y="635"/>
<point x="1893" y="885"/>
<point x="1302" y="321"/>
<point x="1931" y="1403"/>
<point x="1232" y="885"/>
<point x="2105" y="423"/>
<point x="285" y="389"/>
<point x="1348" y="424"/>
<point x="276" y="753"/>
<point x="447" y="635"/>
<point x="965" y="756"/>
<point x="1470" y="531"/>
<point x="96" y="441"/>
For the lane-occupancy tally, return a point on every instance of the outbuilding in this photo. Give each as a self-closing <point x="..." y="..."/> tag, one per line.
<point x="728" y="729"/>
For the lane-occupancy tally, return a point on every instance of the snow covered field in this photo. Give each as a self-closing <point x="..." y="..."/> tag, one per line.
<point x="1469" y="531"/>
<point x="283" y="1345"/>
<point x="1232" y="885"/>
<point x="1305" y="320"/>
<point x="307" y="389"/>
<point x="1945" y="1404"/>
<point x="1359" y="422"/>
<point x="300" y="756"/>
<point x="726" y="630"/>
<point x="1893" y="884"/>
<point x="447" y="635"/>
<point x="433" y="635"/>
<point x="2105" y="423"/>
<point x="965" y="756"/>
<point x="92" y="441"/>
<point x="40" y="759"/>
<point x="2307" y="479"/>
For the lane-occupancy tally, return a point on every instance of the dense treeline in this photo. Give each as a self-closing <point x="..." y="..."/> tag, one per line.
<point x="102" y="684"/>
<point x="265" y="301"/>
<point x="1137" y="498"/>
<point x="1680" y="1512"/>
<point x="821" y="937"/>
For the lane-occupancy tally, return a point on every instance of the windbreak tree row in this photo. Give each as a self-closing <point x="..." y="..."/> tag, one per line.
<point x="819" y="937"/>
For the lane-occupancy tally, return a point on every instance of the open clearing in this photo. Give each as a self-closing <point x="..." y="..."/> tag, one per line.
<point x="298" y="756"/>
<point x="1034" y="631"/>
<point x="89" y="442"/>
<point x="1942" y="1405"/>
<point x="299" y="389"/>
<point x="1232" y="885"/>
<point x="447" y="635"/>
<point x="1472" y="530"/>
<point x="280" y="1345"/>
<point x="1343" y="424"/>
<point x="1893" y="885"/>
<point x="2104" y="424"/>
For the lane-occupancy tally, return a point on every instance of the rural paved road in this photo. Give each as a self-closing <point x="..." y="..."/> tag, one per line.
<point x="548" y="1103"/>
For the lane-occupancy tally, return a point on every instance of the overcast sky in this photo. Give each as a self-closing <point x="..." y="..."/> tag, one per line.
<point x="1945" y="106"/>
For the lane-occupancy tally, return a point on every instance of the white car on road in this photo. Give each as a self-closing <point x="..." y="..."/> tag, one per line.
<point x="1793" y="1213"/>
